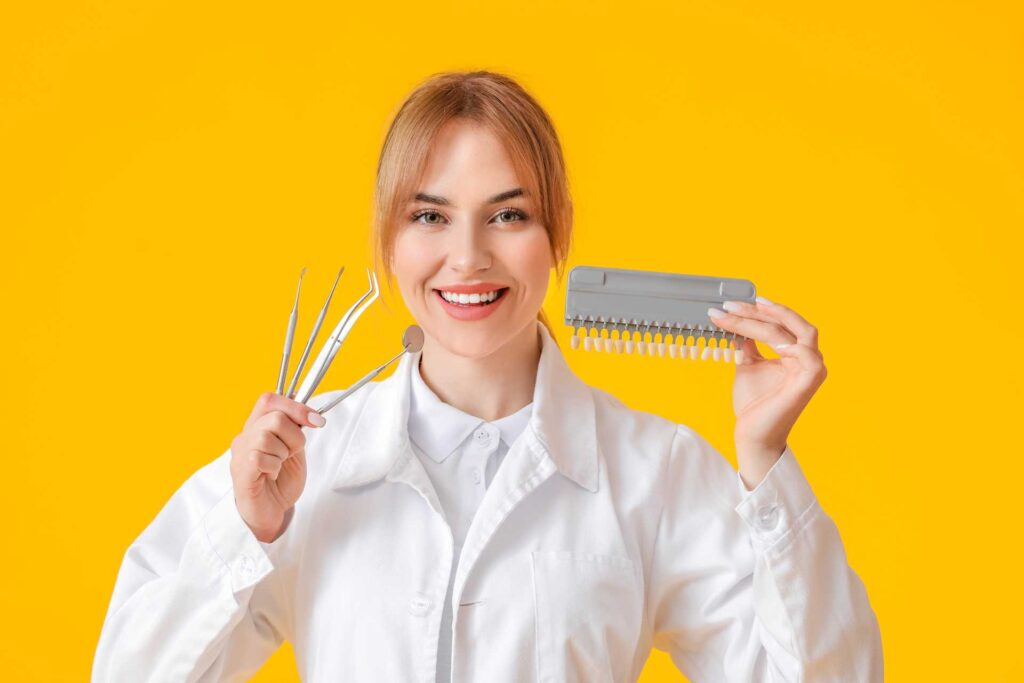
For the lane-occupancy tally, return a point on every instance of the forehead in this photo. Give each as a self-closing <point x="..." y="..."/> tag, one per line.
<point x="468" y="163"/>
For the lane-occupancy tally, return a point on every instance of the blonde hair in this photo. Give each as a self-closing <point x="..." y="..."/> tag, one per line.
<point x="505" y="108"/>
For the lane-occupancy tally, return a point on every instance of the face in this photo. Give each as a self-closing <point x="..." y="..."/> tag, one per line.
<point x="471" y="228"/>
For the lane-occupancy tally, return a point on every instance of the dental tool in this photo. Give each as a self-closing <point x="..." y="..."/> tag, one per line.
<point x="330" y="349"/>
<point x="312" y="336"/>
<point x="636" y="302"/>
<point x="289" y="336"/>
<point x="412" y="341"/>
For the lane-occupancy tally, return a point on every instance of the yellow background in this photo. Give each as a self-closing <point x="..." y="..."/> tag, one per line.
<point x="167" y="168"/>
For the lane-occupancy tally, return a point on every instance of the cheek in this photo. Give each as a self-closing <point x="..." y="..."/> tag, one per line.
<point x="533" y="261"/>
<point x="412" y="260"/>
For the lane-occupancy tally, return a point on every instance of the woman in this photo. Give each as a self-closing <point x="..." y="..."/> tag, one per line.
<point x="482" y="514"/>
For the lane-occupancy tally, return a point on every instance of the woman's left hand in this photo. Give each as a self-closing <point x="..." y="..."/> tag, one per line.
<point x="770" y="394"/>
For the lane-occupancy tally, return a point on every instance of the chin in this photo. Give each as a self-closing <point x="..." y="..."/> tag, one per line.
<point x="466" y="342"/>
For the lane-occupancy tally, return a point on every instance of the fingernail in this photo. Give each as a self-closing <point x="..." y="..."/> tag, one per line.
<point x="716" y="313"/>
<point x="732" y="306"/>
<point x="779" y="346"/>
<point x="316" y="419"/>
<point x="762" y="300"/>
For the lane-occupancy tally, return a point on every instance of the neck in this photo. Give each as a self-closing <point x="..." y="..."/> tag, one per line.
<point x="489" y="387"/>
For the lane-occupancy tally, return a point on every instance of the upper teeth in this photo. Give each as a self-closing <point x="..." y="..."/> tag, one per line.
<point x="469" y="298"/>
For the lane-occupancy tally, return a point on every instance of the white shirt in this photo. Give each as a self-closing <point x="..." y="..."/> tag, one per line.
<point x="605" y="531"/>
<point x="461" y="453"/>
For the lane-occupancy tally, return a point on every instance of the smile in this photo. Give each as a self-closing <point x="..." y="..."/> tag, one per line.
<point x="476" y="298"/>
<point x="476" y="306"/>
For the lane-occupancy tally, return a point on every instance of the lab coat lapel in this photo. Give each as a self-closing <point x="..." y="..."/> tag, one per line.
<point x="560" y="437"/>
<point x="379" y="446"/>
<point x="379" y="439"/>
<point x="563" y="423"/>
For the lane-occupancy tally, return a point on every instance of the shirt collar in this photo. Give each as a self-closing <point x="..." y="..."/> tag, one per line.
<point x="561" y="423"/>
<point x="438" y="427"/>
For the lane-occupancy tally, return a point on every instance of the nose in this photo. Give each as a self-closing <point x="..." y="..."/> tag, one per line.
<point x="468" y="251"/>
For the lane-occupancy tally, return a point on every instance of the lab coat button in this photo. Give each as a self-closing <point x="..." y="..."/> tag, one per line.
<point x="768" y="517"/>
<point x="476" y="476"/>
<point x="246" y="567"/>
<point x="482" y="436"/>
<point x="419" y="605"/>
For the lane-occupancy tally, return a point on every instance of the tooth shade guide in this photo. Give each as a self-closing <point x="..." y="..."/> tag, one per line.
<point x="655" y="314"/>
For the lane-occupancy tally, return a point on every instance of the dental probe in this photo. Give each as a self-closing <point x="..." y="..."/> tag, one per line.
<point x="312" y="337"/>
<point x="412" y="340"/>
<point x="289" y="336"/>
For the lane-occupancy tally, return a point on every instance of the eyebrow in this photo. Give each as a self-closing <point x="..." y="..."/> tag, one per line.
<point x="500" y="197"/>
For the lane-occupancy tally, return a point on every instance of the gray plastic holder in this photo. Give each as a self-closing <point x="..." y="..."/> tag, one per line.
<point x="644" y="301"/>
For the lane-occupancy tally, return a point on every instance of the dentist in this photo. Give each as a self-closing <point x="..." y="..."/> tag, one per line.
<point x="483" y="514"/>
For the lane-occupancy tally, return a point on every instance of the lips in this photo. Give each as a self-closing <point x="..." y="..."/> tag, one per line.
<point x="470" y="302"/>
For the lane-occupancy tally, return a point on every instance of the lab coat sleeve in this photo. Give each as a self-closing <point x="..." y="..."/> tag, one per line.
<point x="755" y="585"/>
<point x="198" y="596"/>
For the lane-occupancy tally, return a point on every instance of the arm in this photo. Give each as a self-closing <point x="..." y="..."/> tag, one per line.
<point x="754" y="585"/>
<point x="197" y="597"/>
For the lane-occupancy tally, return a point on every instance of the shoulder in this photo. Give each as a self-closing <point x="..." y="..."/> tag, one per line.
<point x="674" y="452"/>
<point x="636" y="426"/>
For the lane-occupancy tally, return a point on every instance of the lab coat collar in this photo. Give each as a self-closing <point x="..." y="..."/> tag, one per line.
<point x="438" y="428"/>
<point x="562" y="424"/>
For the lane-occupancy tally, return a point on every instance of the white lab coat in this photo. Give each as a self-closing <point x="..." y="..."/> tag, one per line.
<point x="605" y="531"/>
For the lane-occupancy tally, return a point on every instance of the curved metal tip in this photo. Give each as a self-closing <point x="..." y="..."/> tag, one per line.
<point x="372" y="277"/>
<point x="412" y="340"/>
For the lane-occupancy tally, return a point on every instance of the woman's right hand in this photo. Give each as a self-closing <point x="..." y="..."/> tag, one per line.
<point x="268" y="463"/>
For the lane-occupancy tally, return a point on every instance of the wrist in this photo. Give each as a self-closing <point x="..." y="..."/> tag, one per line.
<point x="271" y="535"/>
<point x="755" y="460"/>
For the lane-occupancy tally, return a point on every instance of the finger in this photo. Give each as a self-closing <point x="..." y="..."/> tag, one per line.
<point x="750" y="351"/>
<point x="298" y="412"/>
<point x="269" y="442"/>
<point x="284" y="429"/>
<point x="260" y="463"/>
<point x="747" y="310"/>
<point x="770" y="333"/>
<point x="795" y="324"/>
<point x="810" y="360"/>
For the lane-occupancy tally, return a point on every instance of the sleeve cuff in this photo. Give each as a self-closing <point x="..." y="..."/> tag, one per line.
<point x="778" y="504"/>
<point x="244" y="557"/>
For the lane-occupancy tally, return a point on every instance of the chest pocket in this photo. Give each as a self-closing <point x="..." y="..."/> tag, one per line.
<point x="588" y="611"/>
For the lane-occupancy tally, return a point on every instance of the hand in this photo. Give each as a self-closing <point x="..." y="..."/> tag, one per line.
<point x="268" y="463"/>
<point x="769" y="395"/>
